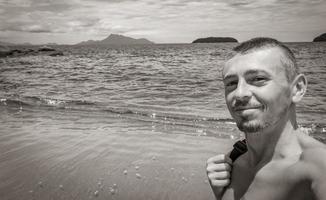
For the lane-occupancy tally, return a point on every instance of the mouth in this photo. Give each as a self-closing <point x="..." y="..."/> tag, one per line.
<point x="244" y="108"/>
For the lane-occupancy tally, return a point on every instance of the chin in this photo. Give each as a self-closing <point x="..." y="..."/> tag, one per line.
<point x="252" y="126"/>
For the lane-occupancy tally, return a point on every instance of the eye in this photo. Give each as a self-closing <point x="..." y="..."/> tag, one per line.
<point x="230" y="86"/>
<point x="231" y="83"/>
<point x="258" y="80"/>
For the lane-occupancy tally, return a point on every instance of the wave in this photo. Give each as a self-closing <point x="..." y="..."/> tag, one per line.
<point x="150" y="114"/>
<point x="41" y="102"/>
<point x="82" y="105"/>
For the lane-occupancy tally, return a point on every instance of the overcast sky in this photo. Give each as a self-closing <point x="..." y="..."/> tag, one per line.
<point x="161" y="21"/>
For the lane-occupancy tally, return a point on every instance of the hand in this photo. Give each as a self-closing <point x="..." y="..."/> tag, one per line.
<point x="219" y="172"/>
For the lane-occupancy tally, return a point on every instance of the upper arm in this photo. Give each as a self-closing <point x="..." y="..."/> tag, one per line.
<point x="317" y="163"/>
<point x="318" y="189"/>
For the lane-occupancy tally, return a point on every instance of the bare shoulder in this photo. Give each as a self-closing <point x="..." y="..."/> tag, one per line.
<point x="315" y="157"/>
<point x="313" y="151"/>
<point x="313" y="160"/>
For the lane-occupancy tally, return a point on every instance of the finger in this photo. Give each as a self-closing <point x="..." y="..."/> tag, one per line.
<point x="221" y="158"/>
<point x="218" y="167"/>
<point x="219" y="175"/>
<point x="216" y="159"/>
<point x="220" y="183"/>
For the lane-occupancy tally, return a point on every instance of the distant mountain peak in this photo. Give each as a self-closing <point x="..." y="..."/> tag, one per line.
<point x="115" y="35"/>
<point x="320" y="38"/>
<point x="116" y="39"/>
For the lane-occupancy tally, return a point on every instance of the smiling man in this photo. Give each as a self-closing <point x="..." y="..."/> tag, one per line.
<point x="278" y="162"/>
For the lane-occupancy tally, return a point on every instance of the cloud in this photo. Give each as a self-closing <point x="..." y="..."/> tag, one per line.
<point x="161" y="21"/>
<point x="31" y="28"/>
<point x="45" y="17"/>
<point x="36" y="29"/>
<point x="15" y="3"/>
<point x="240" y="3"/>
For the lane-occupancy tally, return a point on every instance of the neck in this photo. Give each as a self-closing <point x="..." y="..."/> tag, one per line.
<point x="273" y="144"/>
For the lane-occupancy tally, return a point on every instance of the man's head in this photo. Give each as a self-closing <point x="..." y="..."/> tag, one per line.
<point x="262" y="84"/>
<point x="287" y="59"/>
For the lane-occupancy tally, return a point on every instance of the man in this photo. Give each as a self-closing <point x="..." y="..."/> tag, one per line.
<point x="262" y="87"/>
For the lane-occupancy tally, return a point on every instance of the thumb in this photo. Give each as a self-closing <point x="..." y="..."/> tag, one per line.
<point x="228" y="159"/>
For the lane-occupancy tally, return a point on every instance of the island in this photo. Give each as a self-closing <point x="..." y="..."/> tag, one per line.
<point x="115" y="39"/>
<point x="321" y="38"/>
<point x="17" y="50"/>
<point x="215" y="40"/>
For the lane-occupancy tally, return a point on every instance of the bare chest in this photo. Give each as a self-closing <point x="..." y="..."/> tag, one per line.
<point x="275" y="182"/>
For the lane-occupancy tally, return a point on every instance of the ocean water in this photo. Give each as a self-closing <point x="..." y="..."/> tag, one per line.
<point x="128" y="122"/>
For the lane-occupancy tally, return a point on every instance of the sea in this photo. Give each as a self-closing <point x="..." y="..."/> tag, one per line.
<point x="127" y="122"/>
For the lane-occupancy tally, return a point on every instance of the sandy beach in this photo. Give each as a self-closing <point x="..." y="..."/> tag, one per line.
<point x="41" y="160"/>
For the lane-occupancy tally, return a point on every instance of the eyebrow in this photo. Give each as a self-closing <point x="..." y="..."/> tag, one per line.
<point x="247" y="73"/>
<point x="255" y="71"/>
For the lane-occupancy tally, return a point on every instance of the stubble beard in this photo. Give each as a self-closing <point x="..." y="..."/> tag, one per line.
<point x="252" y="126"/>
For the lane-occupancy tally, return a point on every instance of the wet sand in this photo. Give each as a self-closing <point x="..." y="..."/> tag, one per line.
<point x="40" y="159"/>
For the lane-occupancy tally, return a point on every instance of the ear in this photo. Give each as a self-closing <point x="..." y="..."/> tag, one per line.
<point x="299" y="87"/>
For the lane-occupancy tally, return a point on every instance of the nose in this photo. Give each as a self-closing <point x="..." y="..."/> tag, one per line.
<point x="242" y="92"/>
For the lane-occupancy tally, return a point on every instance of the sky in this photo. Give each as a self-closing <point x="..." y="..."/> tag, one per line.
<point x="161" y="21"/>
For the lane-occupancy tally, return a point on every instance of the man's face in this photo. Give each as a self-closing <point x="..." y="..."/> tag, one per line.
<point x="257" y="91"/>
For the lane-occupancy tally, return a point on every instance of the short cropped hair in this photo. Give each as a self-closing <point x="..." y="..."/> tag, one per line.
<point x="289" y="61"/>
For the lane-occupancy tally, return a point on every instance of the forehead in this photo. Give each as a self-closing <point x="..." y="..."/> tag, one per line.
<point x="267" y="60"/>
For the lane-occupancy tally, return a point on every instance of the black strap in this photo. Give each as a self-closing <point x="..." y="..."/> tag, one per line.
<point x="239" y="148"/>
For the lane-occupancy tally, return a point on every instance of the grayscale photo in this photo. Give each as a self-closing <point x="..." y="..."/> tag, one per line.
<point x="162" y="100"/>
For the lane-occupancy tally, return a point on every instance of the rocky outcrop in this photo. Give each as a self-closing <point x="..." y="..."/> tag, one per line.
<point x="13" y="52"/>
<point x="115" y="39"/>
<point x="321" y="38"/>
<point x="215" y="40"/>
<point x="46" y="48"/>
